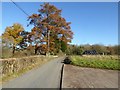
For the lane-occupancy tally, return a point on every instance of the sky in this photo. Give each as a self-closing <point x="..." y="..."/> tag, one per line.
<point x="91" y="22"/>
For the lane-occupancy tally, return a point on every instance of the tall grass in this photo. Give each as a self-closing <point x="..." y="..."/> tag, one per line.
<point x="103" y="62"/>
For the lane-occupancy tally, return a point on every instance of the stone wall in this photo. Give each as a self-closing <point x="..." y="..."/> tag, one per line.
<point x="11" y="65"/>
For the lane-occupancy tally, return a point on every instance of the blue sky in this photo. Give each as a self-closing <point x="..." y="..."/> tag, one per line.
<point x="92" y="23"/>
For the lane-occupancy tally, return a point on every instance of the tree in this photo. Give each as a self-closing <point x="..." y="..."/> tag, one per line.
<point x="87" y="47"/>
<point x="110" y="50"/>
<point x="12" y="35"/>
<point x="50" y="29"/>
<point x="25" y="40"/>
<point x="99" y="48"/>
<point x="63" y="46"/>
<point x="79" y="50"/>
<point x="74" y="50"/>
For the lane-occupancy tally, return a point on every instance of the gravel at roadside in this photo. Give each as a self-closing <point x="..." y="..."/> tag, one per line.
<point x="81" y="77"/>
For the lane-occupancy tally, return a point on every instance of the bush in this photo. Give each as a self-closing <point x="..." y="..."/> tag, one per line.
<point x="67" y="60"/>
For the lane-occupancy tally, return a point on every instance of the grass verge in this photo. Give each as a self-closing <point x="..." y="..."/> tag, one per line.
<point x="96" y="62"/>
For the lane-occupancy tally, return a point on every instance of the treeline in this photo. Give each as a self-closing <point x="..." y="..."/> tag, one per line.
<point x="97" y="48"/>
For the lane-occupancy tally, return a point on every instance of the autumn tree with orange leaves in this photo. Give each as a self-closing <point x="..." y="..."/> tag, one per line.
<point x="12" y="35"/>
<point x="51" y="32"/>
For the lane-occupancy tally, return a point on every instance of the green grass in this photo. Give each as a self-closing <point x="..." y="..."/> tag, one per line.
<point x="104" y="62"/>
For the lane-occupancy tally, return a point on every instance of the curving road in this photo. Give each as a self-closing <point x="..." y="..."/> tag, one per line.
<point x="46" y="76"/>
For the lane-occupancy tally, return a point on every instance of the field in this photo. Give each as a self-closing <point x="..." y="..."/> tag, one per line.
<point x="103" y="62"/>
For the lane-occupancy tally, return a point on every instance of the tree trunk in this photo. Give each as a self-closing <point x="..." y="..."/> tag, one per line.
<point x="13" y="50"/>
<point x="36" y="48"/>
<point x="35" y="51"/>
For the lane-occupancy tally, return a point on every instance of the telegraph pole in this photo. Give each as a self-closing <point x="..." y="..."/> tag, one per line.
<point x="48" y="46"/>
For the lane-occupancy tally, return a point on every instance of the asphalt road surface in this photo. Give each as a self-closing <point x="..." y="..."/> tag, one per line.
<point x="46" y="76"/>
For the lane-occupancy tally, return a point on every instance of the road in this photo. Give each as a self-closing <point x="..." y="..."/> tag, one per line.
<point x="46" y="76"/>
